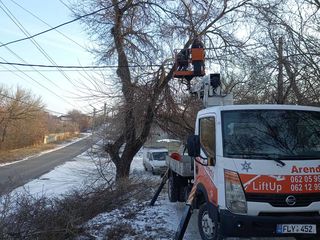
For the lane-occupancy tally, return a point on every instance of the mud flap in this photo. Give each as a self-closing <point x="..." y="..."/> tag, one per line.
<point x="163" y="182"/>
<point x="186" y="214"/>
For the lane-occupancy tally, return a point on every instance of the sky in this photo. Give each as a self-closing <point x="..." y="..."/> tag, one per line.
<point x="59" y="90"/>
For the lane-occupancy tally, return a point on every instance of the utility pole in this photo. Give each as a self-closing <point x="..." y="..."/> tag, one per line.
<point x="93" y="120"/>
<point x="280" y="97"/>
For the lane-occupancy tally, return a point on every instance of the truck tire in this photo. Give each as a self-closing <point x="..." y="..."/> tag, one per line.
<point x="184" y="192"/>
<point x="207" y="226"/>
<point x="173" y="187"/>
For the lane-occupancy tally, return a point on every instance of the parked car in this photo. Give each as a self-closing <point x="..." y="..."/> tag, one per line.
<point x="154" y="159"/>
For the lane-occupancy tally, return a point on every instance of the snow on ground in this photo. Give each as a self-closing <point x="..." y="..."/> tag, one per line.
<point x="144" y="222"/>
<point x="63" y="178"/>
<point x="80" y="172"/>
<point x="157" y="222"/>
<point x="139" y="220"/>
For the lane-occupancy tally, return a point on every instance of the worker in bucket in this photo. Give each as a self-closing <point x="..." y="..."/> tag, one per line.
<point x="183" y="60"/>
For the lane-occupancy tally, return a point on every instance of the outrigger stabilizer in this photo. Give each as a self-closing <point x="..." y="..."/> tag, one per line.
<point x="187" y="211"/>
<point x="163" y="182"/>
<point x="186" y="214"/>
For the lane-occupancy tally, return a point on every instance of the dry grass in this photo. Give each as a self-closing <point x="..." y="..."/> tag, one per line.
<point x="17" y="154"/>
<point x="119" y="231"/>
<point x="26" y="217"/>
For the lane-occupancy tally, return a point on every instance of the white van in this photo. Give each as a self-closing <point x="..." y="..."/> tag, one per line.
<point x="154" y="159"/>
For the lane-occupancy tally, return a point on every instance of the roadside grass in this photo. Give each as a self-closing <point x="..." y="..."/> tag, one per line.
<point x="7" y="156"/>
<point x="28" y="217"/>
<point x="17" y="154"/>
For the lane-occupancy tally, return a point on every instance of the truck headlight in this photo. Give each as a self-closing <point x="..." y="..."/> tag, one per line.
<point x="235" y="198"/>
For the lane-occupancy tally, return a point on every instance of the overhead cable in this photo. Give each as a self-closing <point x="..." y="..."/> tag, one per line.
<point x="58" y="26"/>
<point x="48" y="89"/>
<point x="34" y="42"/>
<point x="80" y="67"/>
<point x="35" y="16"/>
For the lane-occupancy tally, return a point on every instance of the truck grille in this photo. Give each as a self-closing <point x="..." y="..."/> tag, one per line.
<point x="289" y="214"/>
<point x="279" y="200"/>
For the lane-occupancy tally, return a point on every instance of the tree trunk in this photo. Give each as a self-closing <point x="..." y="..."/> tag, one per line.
<point x="280" y="97"/>
<point x="292" y="79"/>
<point x="123" y="169"/>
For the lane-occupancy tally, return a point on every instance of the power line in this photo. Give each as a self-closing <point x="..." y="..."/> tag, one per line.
<point x="81" y="67"/>
<point x="60" y="97"/>
<point x="53" y="70"/>
<point x="24" y="31"/>
<point x="88" y="113"/>
<point x="54" y="63"/>
<point x="40" y="83"/>
<point x="35" y="16"/>
<point x="23" y="72"/>
<point x="34" y="42"/>
<point x="15" y="72"/>
<point x="58" y="26"/>
<point x="63" y="3"/>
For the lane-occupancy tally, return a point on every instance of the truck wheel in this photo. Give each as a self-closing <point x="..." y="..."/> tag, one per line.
<point x="184" y="193"/>
<point x="173" y="187"/>
<point x="207" y="226"/>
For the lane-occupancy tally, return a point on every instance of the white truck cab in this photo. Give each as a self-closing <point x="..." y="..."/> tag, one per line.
<point x="257" y="171"/>
<point x="154" y="159"/>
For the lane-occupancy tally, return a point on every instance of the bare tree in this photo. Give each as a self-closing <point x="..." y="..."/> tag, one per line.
<point x="284" y="65"/>
<point x="18" y="113"/>
<point x="139" y="36"/>
<point x="80" y="119"/>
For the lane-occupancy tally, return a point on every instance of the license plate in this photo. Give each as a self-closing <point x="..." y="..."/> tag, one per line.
<point x="297" y="228"/>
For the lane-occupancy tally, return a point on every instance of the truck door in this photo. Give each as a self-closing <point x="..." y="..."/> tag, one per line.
<point x="205" y="165"/>
<point x="207" y="134"/>
<point x="207" y="193"/>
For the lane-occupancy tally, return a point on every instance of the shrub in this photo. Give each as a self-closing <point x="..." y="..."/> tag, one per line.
<point x="28" y="217"/>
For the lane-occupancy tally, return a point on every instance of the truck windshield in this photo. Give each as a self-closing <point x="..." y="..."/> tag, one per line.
<point x="160" y="156"/>
<point x="271" y="134"/>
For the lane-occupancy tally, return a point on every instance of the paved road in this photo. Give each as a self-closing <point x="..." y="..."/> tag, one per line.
<point x="15" y="175"/>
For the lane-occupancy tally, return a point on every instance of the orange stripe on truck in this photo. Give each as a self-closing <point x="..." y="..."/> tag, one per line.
<point x="205" y="177"/>
<point x="281" y="183"/>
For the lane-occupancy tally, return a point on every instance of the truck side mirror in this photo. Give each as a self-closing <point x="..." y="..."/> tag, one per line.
<point x="193" y="146"/>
